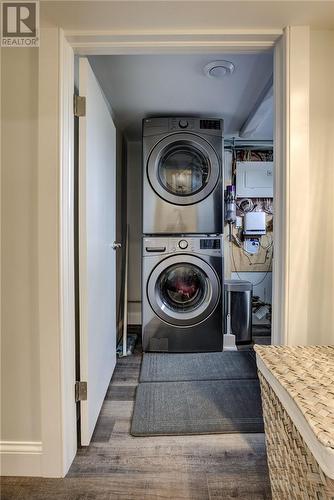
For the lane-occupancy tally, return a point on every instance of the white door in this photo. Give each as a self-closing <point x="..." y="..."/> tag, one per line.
<point x="97" y="258"/>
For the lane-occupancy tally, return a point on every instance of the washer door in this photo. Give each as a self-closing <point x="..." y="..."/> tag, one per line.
<point x="183" y="290"/>
<point x="183" y="169"/>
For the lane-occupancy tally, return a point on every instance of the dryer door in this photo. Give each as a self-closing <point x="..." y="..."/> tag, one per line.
<point x="183" y="290"/>
<point x="183" y="168"/>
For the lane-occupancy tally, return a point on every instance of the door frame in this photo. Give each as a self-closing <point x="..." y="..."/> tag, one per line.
<point x="55" y="191"/>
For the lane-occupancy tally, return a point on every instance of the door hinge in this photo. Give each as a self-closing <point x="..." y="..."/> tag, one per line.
<point x="79" y="105"/>
<point x="80" y="391"/>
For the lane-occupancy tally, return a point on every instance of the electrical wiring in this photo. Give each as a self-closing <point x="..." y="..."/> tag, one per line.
<point x="264" y="204"/>
<point x="258" y="155"/>
<point x="268" y="248"/>
<point x="246" y="254"/>
<point x="264" y="277"/>
<point x="237" y="242"/>
<point x="269" y="244"/>
<point x="248" y="257"/>
<point x="267" y="206"/>
<point x="250" y="205"/>
<point x="235" y="267"/>
<point x="250" y="154"/>
<point x="234" y="167"/>
<point x="259" y="282"/>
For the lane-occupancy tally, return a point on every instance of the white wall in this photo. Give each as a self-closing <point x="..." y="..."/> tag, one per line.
<point x="20" y="390"/>
<point x="262" y="283"/>
<point x="321" y="273"/>
<point x="134" y="218"/>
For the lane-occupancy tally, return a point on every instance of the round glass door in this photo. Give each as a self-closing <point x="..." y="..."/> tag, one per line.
<point x="183" y="287"/>
<point x="183" y="168"/>
<point x="185" y="292"/>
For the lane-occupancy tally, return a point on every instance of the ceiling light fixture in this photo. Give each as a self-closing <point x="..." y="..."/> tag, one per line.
<point x="218" y="69"/>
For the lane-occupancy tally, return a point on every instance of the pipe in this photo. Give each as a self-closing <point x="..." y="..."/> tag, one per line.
<point x="125" y="311"/>
<point x="247" y="144"/>
<point x="263" y="107"/>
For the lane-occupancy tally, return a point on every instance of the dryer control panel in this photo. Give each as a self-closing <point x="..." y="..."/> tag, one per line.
<point x="205" y="245"/>
<point x="181" y="123"/>
<point x="161" y="125"/>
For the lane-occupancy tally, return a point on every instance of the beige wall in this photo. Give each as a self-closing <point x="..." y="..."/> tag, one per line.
<point x="321" y="275"/>
<point x="20" y="340"/>
<point x="20" y="409"/>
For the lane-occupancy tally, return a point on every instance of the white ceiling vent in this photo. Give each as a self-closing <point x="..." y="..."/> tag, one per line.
<point x="218" y="69"/>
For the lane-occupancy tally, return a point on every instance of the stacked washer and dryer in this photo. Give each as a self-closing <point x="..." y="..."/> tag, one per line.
<point x="182" y="259"/>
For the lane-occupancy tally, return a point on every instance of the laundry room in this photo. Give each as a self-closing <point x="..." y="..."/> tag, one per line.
<point x="174" y="235"/>
<point x="167" y="320"/>
<point x="238" y="90"/>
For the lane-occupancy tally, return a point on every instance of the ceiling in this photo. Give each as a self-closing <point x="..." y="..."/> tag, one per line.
<point x="138" y="86"/>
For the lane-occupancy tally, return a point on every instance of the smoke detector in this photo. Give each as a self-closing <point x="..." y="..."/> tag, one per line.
<point x="218" y="69"/>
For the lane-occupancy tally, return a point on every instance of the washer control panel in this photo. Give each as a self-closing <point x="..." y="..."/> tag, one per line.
<point x="205" y="245"/>
<point x="183" y="123"/>
<point x="212" y="243"/>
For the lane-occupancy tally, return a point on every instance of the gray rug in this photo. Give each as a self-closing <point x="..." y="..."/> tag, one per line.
<point x="160" y="367"/>
<point x="197" y="407"/>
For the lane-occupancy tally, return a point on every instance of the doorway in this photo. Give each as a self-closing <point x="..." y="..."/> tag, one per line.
<point x="141" y="86"/>
<point x="67" y="60"/>
<point x="235" y="103"/>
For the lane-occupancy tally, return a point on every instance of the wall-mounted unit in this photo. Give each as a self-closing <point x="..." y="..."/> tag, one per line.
<point x="254" y="224"/>
<point x="254" y="179"/>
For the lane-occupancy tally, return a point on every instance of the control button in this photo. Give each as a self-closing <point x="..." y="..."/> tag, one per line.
<point x="183" y="124"/>
<point x="183" y="244"/>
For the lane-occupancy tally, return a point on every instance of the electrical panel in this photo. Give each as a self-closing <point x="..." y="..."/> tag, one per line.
<point x="254" y="179"/>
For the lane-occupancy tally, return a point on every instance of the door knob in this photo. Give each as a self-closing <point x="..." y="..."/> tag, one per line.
<point x="116" y="245"/>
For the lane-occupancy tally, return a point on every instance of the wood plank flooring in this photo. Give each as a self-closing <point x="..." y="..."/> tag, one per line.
<point x="262" y="334"/>
<point x="119" y="466"/>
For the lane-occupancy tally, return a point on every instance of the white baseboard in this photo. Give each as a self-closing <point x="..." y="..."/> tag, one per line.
<point x="20" y="458"/>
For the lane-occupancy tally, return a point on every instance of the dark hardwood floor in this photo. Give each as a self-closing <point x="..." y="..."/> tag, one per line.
<point x="262" y="334"/>
<point x="119" y="466"/>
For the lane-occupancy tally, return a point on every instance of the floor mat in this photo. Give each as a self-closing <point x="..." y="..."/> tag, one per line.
<point x="197" y="407"/>
<point x="161" y="367"/>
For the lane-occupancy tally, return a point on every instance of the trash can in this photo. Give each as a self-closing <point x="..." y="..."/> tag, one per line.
<point x="238" y="309"/>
